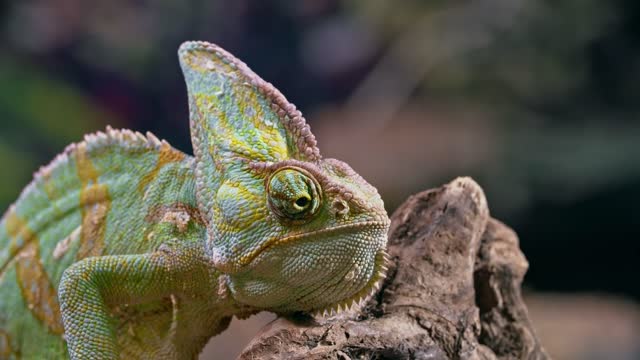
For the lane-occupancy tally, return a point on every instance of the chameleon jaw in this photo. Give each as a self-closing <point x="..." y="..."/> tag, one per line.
<point x="368" y="290"/>
<point x="275" y="241"/>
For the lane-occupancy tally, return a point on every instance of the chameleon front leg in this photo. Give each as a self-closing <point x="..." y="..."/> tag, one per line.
<point x="90" y="288"/>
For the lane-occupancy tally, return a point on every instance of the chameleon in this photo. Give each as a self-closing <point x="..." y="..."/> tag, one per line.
<point x="125" y="247"/>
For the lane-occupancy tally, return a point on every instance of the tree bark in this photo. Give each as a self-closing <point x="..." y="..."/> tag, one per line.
<point x="452" y="292"/>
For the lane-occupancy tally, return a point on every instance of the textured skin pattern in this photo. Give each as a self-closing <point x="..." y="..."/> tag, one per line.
<point x="124" y="247"/>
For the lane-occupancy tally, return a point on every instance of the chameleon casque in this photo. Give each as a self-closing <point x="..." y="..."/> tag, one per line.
<point x="124" y="247"/>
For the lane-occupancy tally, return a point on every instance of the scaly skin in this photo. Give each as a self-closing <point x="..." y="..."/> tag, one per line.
<point x="124" y="247"/>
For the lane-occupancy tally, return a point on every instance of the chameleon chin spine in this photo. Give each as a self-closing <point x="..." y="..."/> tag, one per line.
<point x="361" y="297"/>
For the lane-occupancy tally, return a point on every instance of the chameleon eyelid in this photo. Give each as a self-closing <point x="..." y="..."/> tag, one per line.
<point x="308" y="210"/>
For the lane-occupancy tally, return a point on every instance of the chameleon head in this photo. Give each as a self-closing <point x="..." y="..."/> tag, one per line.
<point x="292" y="231"/>
<point x="323" y="235"/>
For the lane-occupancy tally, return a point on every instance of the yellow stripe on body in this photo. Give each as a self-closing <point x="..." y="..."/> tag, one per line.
<point x="5" y="345"/>
<point x="167" y="155"/>
<point x="19" y="233"/>
<point x="95" y="204"/>
<point x="37" y="290"/>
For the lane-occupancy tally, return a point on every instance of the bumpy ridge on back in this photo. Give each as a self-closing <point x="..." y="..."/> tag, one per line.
<point x="294" y="121"/>
<point x="91" y="142"/>
<point x="124" y="137"/>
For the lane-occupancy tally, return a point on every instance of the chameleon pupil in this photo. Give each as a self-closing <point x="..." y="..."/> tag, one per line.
<point x="302" y="202"/>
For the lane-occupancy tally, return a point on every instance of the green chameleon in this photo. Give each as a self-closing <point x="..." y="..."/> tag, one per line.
<point x="124" y="247"/>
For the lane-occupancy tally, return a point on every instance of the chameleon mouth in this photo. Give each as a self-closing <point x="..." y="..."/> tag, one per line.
<point x="247" y="259"/>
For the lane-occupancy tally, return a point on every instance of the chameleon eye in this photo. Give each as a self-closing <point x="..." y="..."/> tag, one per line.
<point x="293" y="194"/>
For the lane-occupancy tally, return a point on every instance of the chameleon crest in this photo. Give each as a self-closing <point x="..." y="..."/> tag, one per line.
<point x="137" y="250"/>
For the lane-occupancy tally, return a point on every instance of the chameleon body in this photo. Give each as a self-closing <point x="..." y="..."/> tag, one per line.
<point x="124" y="247"/>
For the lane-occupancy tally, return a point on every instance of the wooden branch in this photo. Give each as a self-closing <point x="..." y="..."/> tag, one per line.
<point x="452" y="292"/>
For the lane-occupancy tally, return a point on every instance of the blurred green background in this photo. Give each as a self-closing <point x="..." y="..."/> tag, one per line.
<point x="537" y="100"/>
